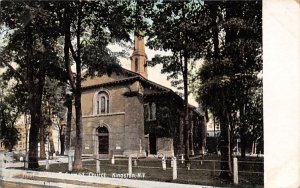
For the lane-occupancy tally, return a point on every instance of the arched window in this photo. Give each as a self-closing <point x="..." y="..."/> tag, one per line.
<point x="153" y="111"/>
<point x="136" y="65"/>
<point x="145" y="64"/>
<point x="102" y="103"/>
<point x="150" y="111"/>
<point x="147" y="112"/>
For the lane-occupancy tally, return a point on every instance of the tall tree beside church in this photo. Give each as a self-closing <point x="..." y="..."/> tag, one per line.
<point x="31" y="35"/>
<point x="231" y="69"/>
<point x="175" y="27"/>
<point x="104" y="23"/>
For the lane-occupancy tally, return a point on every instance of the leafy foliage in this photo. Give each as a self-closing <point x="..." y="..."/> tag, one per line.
<point x="9" y="114"/>
<point x="177" y="26"/>
<point x="231" y="85"/>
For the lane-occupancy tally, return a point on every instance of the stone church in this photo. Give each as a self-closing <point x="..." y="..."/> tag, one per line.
<point x="127" y="114"/>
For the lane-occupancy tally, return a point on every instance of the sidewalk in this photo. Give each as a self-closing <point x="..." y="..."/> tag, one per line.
<point x="80" y="180"/>
<point x="51" y="179"/>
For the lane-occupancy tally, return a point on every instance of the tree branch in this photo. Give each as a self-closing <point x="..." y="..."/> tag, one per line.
<point x="72" y="51"/>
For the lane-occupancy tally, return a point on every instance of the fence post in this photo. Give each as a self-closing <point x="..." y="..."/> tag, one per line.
<point x="163" y="161"/>
<point x="130" y="165"/>
<point x="97" y="164"/>
<point x="47" y="161"/>
<point x="113" y="160"/>
<point x="26" y="160"/>
<point x="2" y="160"/>
<point x="70" y="162"/>
<point x="214" y="173"/>
<point x="235" y="171"/>
<point x="189" y="165"/>
<point x="174" y="168"/>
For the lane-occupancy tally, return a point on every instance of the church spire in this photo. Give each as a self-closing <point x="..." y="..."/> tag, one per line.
<point x="139" y="56"/>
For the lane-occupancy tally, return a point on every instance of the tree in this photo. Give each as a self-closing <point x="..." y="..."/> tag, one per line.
<point x="175" y="27"/>
<point x="31" y="38"/>
<point x="105" y="24"/>
<point x="53" y="110"/>
<point x="33" y="31"/>
<point x="9" y="113"/>
<point x="68" y="105"/>
<point x="231" y="69"/>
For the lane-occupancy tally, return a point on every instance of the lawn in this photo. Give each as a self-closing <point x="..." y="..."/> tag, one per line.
<point x="202" y="172"/>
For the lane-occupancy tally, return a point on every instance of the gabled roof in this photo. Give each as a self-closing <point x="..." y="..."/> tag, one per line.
<point x="133" y="76"/>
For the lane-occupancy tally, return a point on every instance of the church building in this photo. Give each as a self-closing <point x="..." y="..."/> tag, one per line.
<point x="127" y="114"/>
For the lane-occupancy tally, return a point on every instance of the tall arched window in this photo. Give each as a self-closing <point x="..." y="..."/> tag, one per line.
<point x="145" y="65"/>
<point x="102" y="103"/>
<point x="136" y="65"/>
<point x="147" y="112"/>
<point x="153" y="111"/>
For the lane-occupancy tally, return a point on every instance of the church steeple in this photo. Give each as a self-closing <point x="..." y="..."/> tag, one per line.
<point x="139" y="56"/>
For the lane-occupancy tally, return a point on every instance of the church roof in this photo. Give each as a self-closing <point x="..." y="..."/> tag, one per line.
<point x="132" y="77"/>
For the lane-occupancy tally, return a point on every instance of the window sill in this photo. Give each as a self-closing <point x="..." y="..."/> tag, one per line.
<point x="101" y="115"/>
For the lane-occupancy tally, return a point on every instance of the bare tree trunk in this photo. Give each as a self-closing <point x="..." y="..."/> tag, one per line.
<point x="78" y="146"/>
<point x="226" y="167"/>
<point x="78" y="113"/>
<point x="34" y="127"/>
<point x="35" y="90"/>
<point x="76" y="85"/>
<point x="33" y="141"/>
<point x="69" y="123"/>
<point x="35" y="112"/>
<point x="62" y="144"/>
<point x="42" y="142"/>
<point x="242" y="133"/>
<point x="67" y="44"/>
<point x="186" y="112"/>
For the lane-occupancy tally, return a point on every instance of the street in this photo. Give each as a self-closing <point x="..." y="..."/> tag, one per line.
<point x="4" y="184"/>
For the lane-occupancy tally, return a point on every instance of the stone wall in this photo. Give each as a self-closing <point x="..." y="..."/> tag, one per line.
<point x="134" y="126"/>
<point x="125" y="121"/>
<point x="165" y="146"/>
<point x="114" y="124"/>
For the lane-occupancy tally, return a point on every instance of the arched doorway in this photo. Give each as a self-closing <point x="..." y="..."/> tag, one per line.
<point x="103" y="140"/>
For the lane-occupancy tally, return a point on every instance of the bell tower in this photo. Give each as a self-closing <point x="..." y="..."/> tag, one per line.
<point x="139" y="57"/>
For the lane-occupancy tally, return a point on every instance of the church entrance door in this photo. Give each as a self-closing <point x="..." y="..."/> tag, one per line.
<point x="152" y="140"/>
<point x="103" y="140"/>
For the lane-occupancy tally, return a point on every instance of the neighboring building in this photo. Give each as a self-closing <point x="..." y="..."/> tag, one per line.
<point x="127" y="114"/>
<point x="213" y="133"/>
<point x="21" y="125"/>
<point x="213" y="126"/>
<point x="21" y="144"/>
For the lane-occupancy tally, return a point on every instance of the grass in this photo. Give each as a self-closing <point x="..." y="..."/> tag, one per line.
<point x="201" y="173"/>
